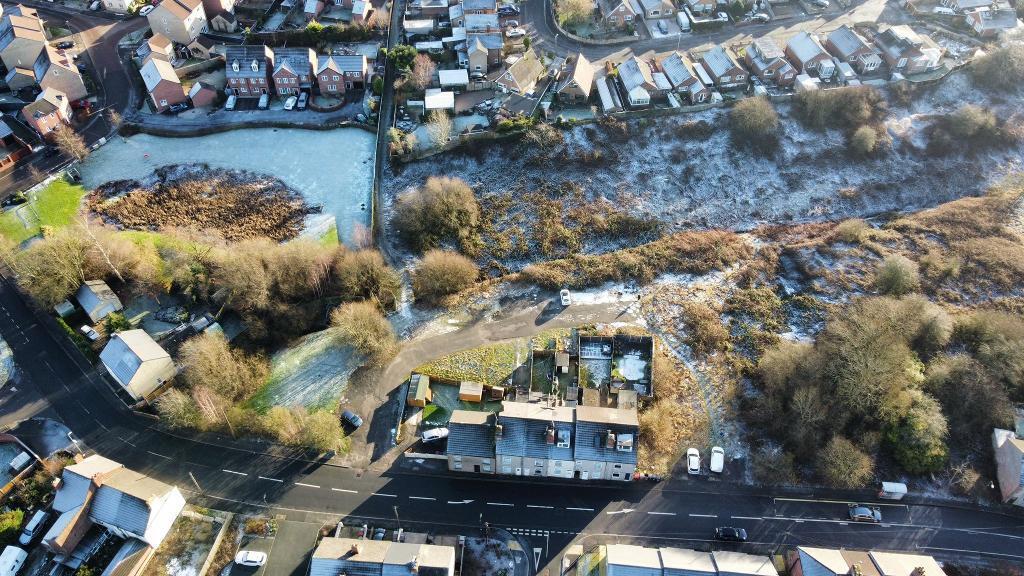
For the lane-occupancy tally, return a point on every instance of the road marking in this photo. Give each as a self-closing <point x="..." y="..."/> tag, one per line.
<point x="85" y="409"/>
<point x="271" y="479"/>
<point x="233" y="472"/>
<point x="422" y="498"/>
<point x="703" y="516"/>
<point x="160" y="455"/>
<point x="652" y="513"/>
<point x="102" y="425"/>
<point x="460" y="501"/>
<point x="581" y="509"/>
<point x="344" y="490"/>
<point x="623" y="511"/>
<point x="126" y="442"/>
<point x="969" y="551"/>
<point x="385" y="495"/>
<point x="746" y="517"/>
<point x="541" y="507"/>
<point x="306" y="485"/>
<point x="839" y="502"/>
<point x="499" y="504"/>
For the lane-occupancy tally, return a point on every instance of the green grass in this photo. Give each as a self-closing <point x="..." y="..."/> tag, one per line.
<point x="330" y="237"/>
<point x="491" y="364"/>
<point x="55" y="206"/>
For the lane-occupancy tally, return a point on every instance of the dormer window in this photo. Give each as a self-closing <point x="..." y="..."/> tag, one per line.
<point x="234" y="65"/>
<point x="255" y="65"/>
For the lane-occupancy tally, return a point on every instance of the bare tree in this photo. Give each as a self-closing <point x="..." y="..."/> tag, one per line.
<point x="422" y="72"/>
<point x="439" y="126"/>
<point x="115" y="119"/>
<point x="70" y="142"/>
<point x="86" y="226"/>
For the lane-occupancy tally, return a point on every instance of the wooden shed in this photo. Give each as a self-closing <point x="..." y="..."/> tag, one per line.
<point x="419" y="390"/>
<point x="471" y="392"/>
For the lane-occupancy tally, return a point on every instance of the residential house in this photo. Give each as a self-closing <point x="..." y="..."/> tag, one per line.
<point x="55" y="69"/>
<point x="484" y="51"/>
<point x="426" y="8"/>
<point x="480" y="6"/>
<point x="657" y="8"/>
<point x="632" y="560"/>
<point x="576" y="82"/>
<point x="702" y="7"/>
<point x="361" y="11"/>
<point x="202" y="47"/>
<point x="179" y="20"/>
<point x="336" y="75"/>
<point x="116" y="6"/>
<point x="966" y="5"/>
<point x="457" y="16"/>
<point x="311" y="9"/>
<point x="522" y="75"/>
<point x="766" y="61"/>
<point x="637" y="82"/>
<point x="471" y="441"/>
<point x="606" y="442"/>
<point x="246" y="70"/>
<point x="723" y="68"/>
<point x="481" y="23"/>
<point x="811" y="561"/>
<point x="1009" y="451"/>
<point x="988" y="22"/>
<point x="362" y="556"/>
<point x="16" y="141"/>
<point x="292" y="70"/>
<point x="50" y="110"/>
<point x="103" y="492"/>
<point x="137" y="362"/>
<point x="161" y="47"/>
<point x="681" y="74"/>
<point x="97" y="300"/>
<point x="619" y="13"/>
<point x="224" y="22"/>
<point x="216" y="7"/>
<point x="849" y="46"/>
<point x="202" y="94"/>
<point x="22" y="37"/>
<point x="808" y="56"/>
<point x="534" y="440"/>
<point x="907" y="52"/>
<point x="162" y="84"/>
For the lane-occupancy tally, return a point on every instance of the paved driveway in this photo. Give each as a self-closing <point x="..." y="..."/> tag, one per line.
<point x="292" y="549"/>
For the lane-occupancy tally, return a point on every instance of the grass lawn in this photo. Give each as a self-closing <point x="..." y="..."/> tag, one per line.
<point x="330" y="237"/>
<point x="491" y="364"/>
<point x="56" y="206"/>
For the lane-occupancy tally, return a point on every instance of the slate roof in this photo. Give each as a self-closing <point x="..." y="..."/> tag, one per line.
<point x="470" y="433"/>
<point x="245" y="55"/>
<point x="682" y="562"/>
<point x="631" y="560"/>
<point x="634" y="72"/>
<point x="739" y="564"/>
<point x="156" y="70"/>
<point x="719" y="62"/>
<point x="998" y="19"/>
<point x="846" y="41"/>
<point x="481" y="22"/>
<point x="479" y="4"/>
<point x="353" y="557"/>
<point x="346" y="63"/>
<point x="593" y="422"/>
<point x="582" y="72"/>
<point x="76" y="479"/>
<point x="525" y="427"/>
<point x="294" y="60"/>
<point x="489" y="41"/>
<point x="806" y="47"/>
<point x="828" y="558"/>
<point x="123" y="500"/>
<point x="181" y="8"/>
<point x="677" y="69"/>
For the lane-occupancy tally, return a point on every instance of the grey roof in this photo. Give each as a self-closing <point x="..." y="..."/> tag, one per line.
<point x="634" y="72"/>
<point x="582" y="73"/>
<point x="649" y="5"/>
<point x="998" y="19"/>
<point x="479" y="4"/>
<point x="245" y="56"/>
<point x="481" y="21"/>
<point x="767" y="48"/>
<point x="295" y="60"/>
<point x="631" y="560"/>
<point x="126" y="559"/>
<point x="592" y="423"/>
<point x="718" y="61"/>
<point x="682" y="562"/>
<point x="806" y="47"/>
<point x="345" y="63"/>
<point x="123" y="500"/>
<point x="379" y="558"/>
<point x="523" y="73"/>
<point x="846" y="41"/>
<point x="470" y="434"/>
<point x="678" y="69"/>
<point x="525" y="431"/>
<point x="739" y="564"/>
<point x="488" y="41"/>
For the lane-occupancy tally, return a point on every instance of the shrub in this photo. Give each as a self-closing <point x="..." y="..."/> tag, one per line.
<point x="996" y="339"/>
<point x="705" y="332"/>
<point x="1001" y="69"/>
<point x="210" y="362"/>
<point x="897" y="275"/>
<point x="844" y="108"/>
<point x="774" y="467"/>
<point x="755" y="124"/>
<point x="363" y="275"/>
<point x="918" y="439"/>
<point x="116" y="322"/>
<point x="863" y="141"/>
<point x="10" y="525"/>
<point x="362" y="326"/>
<point x="443" y="209"/>
<point x="969" y="127"/>
<point x="972" y="400"/>
<point x="842" y="465"/>
<point x="851" y="230"/>
<point x="441" y="273"/>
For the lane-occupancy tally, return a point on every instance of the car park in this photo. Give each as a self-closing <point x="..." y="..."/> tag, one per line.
<point x="250" y="558"/>
<point x="303" y="100"/>
<point x="290" y="102"/>
<point x="146" y="10"/>
<point x="692" y="461"/>
<point x="565" y="297"/>
<point x="89" y="333"/>
<point x="434" y="434"/>
<point x="727" y="534"/>
<point x="717" y="460"/>
<point x="862" y="513"/>
<point x="351" y="418"/>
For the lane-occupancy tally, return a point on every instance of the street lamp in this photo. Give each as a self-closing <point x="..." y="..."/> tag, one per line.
<point x="397" y="521"/>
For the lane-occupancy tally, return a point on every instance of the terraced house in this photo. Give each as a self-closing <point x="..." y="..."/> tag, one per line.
<point x="534" y="440"/>
<point x="247" y="71"/>
<point x="293" y="70"/>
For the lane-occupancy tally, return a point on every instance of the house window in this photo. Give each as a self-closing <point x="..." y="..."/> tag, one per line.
<point x="457" y="458"/>
<point x="621" y="8"/>
<point x="725" y="79"/>
<point x="506" y="469"/>
<point x="243" y="89"/>
<point x="616" y="475"/>
<point x="332" y="87"/>
<point x="163" y="102"/>
<point x="769" y="72"/>
<point x="335" y="78"/>
<point x="458" y="466"/>
<point x="324" y="77"/>
<point x="655" y="12"/>
<point x="629" y="18"/>
<point x="486" y="467"/>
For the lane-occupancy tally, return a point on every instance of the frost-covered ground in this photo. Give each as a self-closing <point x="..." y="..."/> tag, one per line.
<point x="331" y="168"/>
<point x="314" y="372"/>
<point x="6" y="362"/>
<point x="704" y="183"/>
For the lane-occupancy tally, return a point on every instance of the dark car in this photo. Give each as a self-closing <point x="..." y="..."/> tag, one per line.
<point x="82" y="67"/>
<point x="508" y="10"/>
<point x="179" y="107"/>
<point x="727" y="534"/>
<point x="351" y="418"/>
<point x="65" y="45"/>
<point x="862" y="513"/>
<point x="378" y="534"/>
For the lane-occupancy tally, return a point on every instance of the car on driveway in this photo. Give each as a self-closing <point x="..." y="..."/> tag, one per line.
<point x="250" y="558"/>
<point x="727" y="534"/>
<point x="91" y="334"/>
<point x="434" y="434"/>
<point x="179" y="107"/>
<point x="351" y="418"/>
<point x="146" y="10"/>
<point x="290" y="102"/>
<point x="515" y="33"/>
<point x="862" y="513"/>
<point x="565" y="297"/>
<point x="303" y="99"/>
<point x="65" y="45"/>
<point x="508" y="10"/>
<point x="692" y="461"/>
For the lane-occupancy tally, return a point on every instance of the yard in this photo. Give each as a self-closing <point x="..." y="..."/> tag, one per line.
<point x="492" y="365"/>
<point x="186" y="547"/>
<point x="54" y="206"/>
<point x="314" y="372"/>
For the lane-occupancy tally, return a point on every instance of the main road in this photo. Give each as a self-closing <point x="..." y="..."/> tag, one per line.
<point x="549" y="513"/>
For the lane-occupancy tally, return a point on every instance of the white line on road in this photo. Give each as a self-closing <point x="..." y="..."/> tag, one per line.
<point x="233" y="472"/>
<point x="160" y="455"/>
<point x="745" y="517"/>
<point x="271" y="479"/>
<point x="344" y="490"/>
<point x="703" y="516"/>
<point x="422" y="498"/>
<point x="306" y="485"/>
<point x="581" y="509"/>
<point x="126" y="442"/>
<point x="385" y="495"/>
<point x="968" y="551"/>
<point x="499" y="504"/>
<point x="652" y="513"/>
<point x="541" y="507"/>
<point x="102" y="425"/>
<point x="86" y="409"/>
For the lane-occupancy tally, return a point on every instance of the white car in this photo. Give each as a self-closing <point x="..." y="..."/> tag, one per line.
<point x="146" y="10"/>
<point x="760" y="17"/>
<point x="434" y="434"/>
<point x="91" y="334"/>
<point x="290" y="102"/>
<point x="512" y="24"/>
<point x="515" y="33"/>
<point x="565" y="297"/>
<point x="250" y="558"/>
<point x="717" y="459"/>
<point x="692" y="461"/>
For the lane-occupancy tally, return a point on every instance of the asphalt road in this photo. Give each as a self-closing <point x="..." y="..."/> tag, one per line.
<point x="550" y="514"/>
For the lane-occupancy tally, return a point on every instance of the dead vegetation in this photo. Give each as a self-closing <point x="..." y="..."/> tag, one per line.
<point x="238" y="205"/>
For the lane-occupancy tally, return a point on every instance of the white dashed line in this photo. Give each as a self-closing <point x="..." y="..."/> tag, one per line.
<point x="745" y="517"/>
<point x="344" y="490"/>
<point x="541" y="507"/>
<point x="703" y="516"/>
<point x="661" y="513"/>
<point x="126" y="442"/>
<point x="422" y="498"/>
<point x="385" y="495"/>
<point x="499" y="504"/>
<point x="581" y="509"/>
<point x="233" y="472"/>
<point x="271" y="479"/>
<point x="102" y="425"/>
<point x="160" y="455"/>
<point x="306" y="485"/>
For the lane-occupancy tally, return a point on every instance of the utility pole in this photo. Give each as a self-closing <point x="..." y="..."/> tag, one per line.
<point x="194" y="481"/>
<point x="397" y="521"/>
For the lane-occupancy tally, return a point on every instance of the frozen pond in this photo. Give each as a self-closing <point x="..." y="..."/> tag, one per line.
<point x="331" y="168"/>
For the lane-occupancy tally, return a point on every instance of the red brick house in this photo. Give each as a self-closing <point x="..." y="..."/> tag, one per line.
<point x="766" y="60"/>
<point x="247" y="71"/>
<point x="336" y="75"/>
<point x="293" y="70"/>
<point x="162" y="84"/>
<point x="844" y="43"/>
<point x="50" y="110"/>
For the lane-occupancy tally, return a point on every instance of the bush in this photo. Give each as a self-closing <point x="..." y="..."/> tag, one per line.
<point x="842" y="465"/>
<point x="116" y="322"/>
<point x="774" y="467"/>
<point x="972" y="400"/>
<point x="211" y="363"/>
<point x="755" y="124"/>
<point x="443" y="209"/>
<point x="996" y="339"/>
<point x="10" y="525"/>
<point x="363" y="275"/>
<point x="705" y="332"/>
<point x="897" y="275"/>
<point x="843" y="108"/>
<point x="918" y="439"/>
<point x="852" y="230"/>
<point x="1001" y="69"/>
<point x="441" y="273"/>
<point x="362" y="326"/>
<point x="863" y="141"/>
<point x="969" y="127"/>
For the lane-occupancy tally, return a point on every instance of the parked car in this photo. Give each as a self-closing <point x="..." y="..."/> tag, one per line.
<point x="508" y="10"/>
<point x="264" y="101"/>
<point x="565" y="297"/>
<point x="232" y="100"/>
<point x="722" y="16"/>
<point x="760" y="17"/>
<point x="33" y="528"/>
<point x="12" y="559"/>
<point x="717" y="459"/>
<point x="662" y="27"/>
<point x="820" y="3"/>
<point x="250" y="558"/>
<point x="692" y="461"/>
<point x="65" y="44"/>
<point x="512" y="24"/>
<point x="290" y="102"/>
<point x="351" y="418"/>
<point x="378" y="534"/>
<point x="95" y="6"/>
<point x="91" y="334"/>
<point x="303" y="100"/>
<point x="862" y="513"/>
<point x="728" y="534"/>
<point x="82" y="67"/>
<point x="515" y="33"/>
<point x="944" y="11"/>
<point x="477" y="76"/>
<point x="146" y="10"/>
<point x="434" y="434"/>
<point x="178" y="107"/>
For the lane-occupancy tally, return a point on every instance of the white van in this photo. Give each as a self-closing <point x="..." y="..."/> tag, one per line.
<point x="232" y="99"/>
<point x="893" y="490"/>
<point x="943" y="10"/>
<point x="19" y="462"/>
<point x="34" y="527"/>
<point x="684" y="21"/>
<point x="11" y="560"/>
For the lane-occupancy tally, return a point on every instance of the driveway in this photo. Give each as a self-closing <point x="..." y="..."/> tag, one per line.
<point x="292" y="549"/>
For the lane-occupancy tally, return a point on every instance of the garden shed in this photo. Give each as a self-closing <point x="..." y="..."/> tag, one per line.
<point x="419" y="390"/>
<point x="471" y="391"/>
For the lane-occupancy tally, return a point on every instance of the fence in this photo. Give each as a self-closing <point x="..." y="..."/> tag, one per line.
<point x="202" y="66"/>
